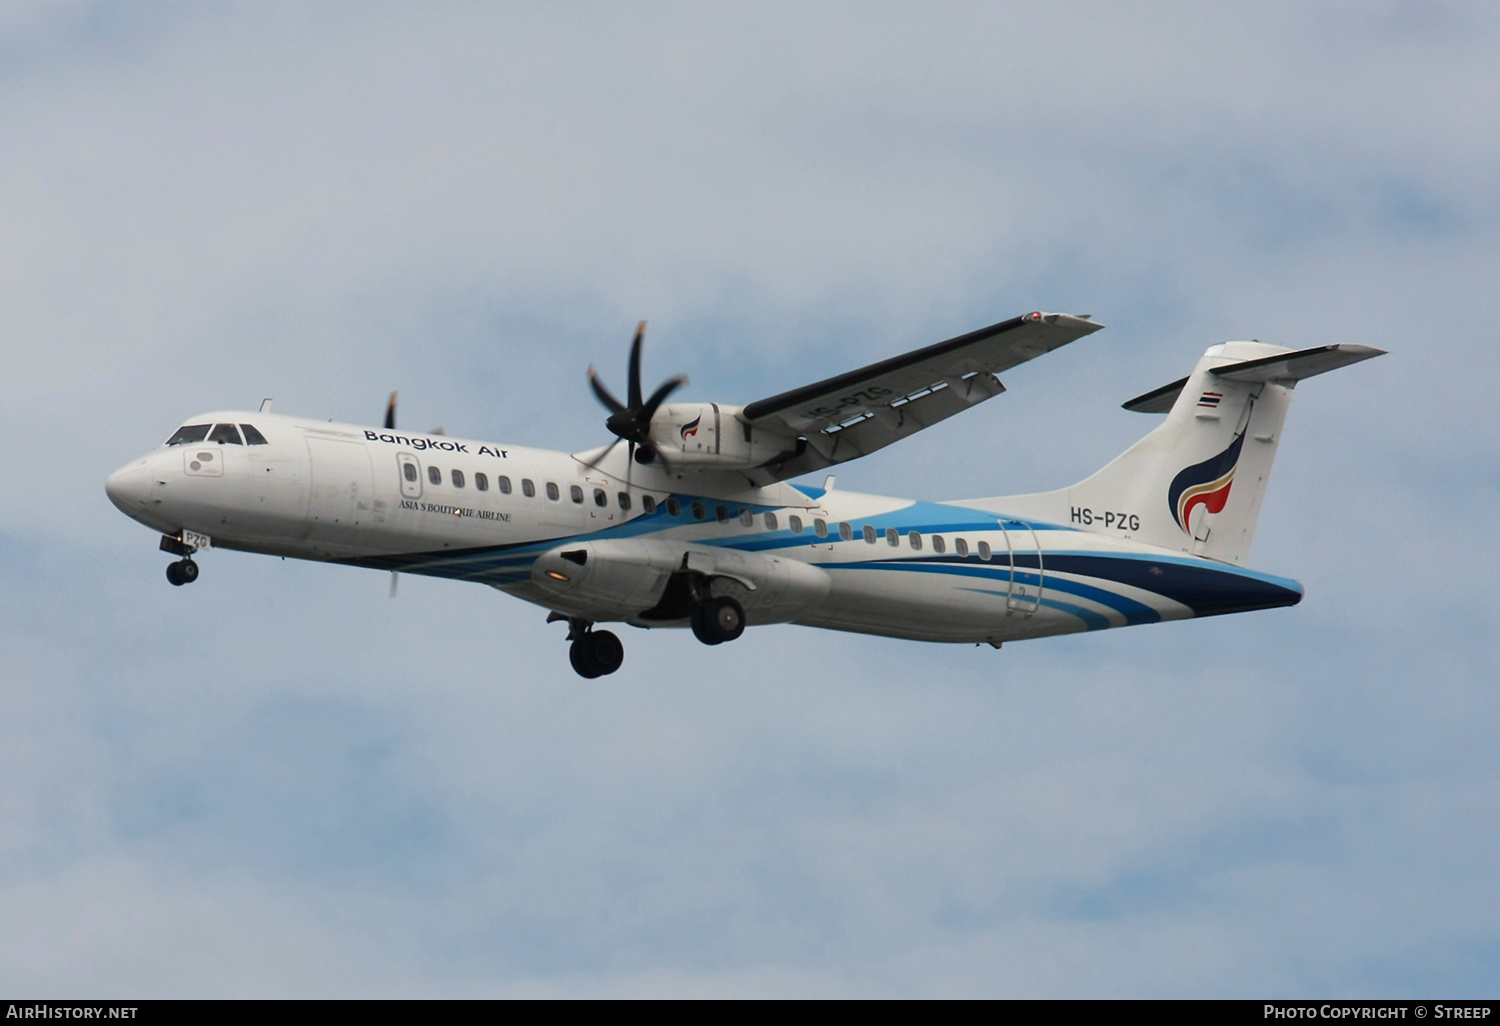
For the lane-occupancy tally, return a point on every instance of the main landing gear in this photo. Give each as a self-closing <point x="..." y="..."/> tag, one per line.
<point x="714" y="619"/>
<point x="717" y="620"/>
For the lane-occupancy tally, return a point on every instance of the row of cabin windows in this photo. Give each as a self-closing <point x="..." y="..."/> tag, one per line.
<point x="528" y="487"/>
<point x="821" y="528"/>
<point x="221" y="433"/>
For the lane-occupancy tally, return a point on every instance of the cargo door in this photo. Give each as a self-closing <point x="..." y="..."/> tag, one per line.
<point x="341" y="492"/>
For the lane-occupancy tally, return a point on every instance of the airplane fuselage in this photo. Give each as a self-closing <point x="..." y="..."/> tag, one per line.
<point x="617" y="541"/>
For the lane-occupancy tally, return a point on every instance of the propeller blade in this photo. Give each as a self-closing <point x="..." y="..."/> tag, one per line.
<point x="600" y="458"/>
<point x="614" y="405"/>
<point x="632" y="423"/>
<point x="667" y="388"/>
<point x="390" y="413"/>
<point x="395" y="578"/>
<point x="635" y="366"/>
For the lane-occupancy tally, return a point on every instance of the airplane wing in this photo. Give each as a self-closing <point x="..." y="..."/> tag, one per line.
<point x="853" y="414"/>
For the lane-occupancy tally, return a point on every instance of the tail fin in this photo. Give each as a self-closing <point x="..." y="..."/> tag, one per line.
<point x="1195" y="483"/>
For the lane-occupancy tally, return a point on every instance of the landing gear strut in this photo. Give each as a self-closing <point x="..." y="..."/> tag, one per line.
<point x="592" y="653"/>
<point x="184" y="571"/>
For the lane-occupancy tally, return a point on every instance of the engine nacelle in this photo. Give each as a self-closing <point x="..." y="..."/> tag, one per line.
<point x="711" y="436"/>
<point x="647" y="581"/>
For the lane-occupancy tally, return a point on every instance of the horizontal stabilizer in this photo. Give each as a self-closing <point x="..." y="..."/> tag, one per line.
<point x="1293" y="367"/>
<point x="1158" y="400"/>
<point x="1284" y="368"/>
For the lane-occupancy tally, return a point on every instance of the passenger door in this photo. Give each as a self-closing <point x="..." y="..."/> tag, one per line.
<point x="1026" y="569"/>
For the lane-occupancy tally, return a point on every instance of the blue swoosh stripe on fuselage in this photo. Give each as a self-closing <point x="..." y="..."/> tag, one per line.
<point x="1133" y="612"/>
<point x="1206" y="590"/>
<point x="1091" y="620"/>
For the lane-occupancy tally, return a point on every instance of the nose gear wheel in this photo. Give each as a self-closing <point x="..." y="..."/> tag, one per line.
<point x="184" y="571"/>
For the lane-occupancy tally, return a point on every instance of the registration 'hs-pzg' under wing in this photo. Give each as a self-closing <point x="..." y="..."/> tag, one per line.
<point x="692" y="522"/>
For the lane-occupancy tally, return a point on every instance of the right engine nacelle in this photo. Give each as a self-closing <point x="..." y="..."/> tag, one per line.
<point x="710" y="436"/>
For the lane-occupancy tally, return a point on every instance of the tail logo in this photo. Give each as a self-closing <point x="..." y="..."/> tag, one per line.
<point x="692" y="428"/>
<point x="1204" y="484"/>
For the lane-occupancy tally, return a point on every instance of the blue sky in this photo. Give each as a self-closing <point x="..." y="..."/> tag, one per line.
<point x="279" y="782"/>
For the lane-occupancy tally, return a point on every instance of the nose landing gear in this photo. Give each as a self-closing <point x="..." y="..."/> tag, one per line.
<point x="184" y="571"/>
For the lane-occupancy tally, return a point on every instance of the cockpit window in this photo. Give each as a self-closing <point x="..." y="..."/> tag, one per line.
<point x="252" y="436"/>
<point x="189" y="433"/>
<point x="225" y="433"/>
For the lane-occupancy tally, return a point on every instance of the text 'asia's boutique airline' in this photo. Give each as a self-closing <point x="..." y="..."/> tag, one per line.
<point x="692" y="523"/>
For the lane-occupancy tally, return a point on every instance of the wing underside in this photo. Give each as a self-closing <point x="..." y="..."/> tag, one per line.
<point x="854" y="414"/>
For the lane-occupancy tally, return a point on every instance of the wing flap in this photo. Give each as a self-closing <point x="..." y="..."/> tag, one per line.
<point x="879" y="428"/>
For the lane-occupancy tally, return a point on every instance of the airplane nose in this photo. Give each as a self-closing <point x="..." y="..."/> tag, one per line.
<point x="129" y="488"/>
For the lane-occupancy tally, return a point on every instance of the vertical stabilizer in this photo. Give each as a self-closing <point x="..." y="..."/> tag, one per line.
<point x="1195" y="484"/>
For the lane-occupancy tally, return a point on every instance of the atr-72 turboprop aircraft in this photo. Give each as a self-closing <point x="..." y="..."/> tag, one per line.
<point x="694" y="524"/>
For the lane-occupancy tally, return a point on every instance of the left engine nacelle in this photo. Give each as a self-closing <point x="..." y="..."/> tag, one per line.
<point x="606" y="578"/>
<point x="622" y="579"/>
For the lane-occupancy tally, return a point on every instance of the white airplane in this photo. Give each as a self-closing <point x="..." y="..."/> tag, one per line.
<point x="694" y="524"/>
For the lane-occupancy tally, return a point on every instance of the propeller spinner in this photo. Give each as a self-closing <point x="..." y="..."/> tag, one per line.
<point x="631" y="423"/>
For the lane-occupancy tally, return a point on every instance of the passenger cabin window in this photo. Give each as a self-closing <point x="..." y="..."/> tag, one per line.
<point x="189" y="433"/>
<point x="252" y="436"/>
<point x="601" y="498"/>
<point x="458" y="479"/>
<point x="528" y="488"/>
<point x="552" y="492"/>
<point x="820" y="527"/>
<point x="698" y="513"/>
<point x="648" y="503"/>
<point x="961" y="546"/>
<point x="482" y="482"/>
<point x="503" y="483"/>
<point x="795" y="523"/>
<point x="770" y="519"/>
<point x="575" y="493"/>
<point x="870" y="533"/>
<point x="915" y="537"/>
<point x="624" y="498"/>
<point x="892" y="537"/>
<point x="721" y="514"/>
<point x="938" y="545"/>
<point x="409" y="471"/>
<point x="434" y="475"/>
<point x="747" y="519"/>
<point x="984" y="551"/>
<point x="673" y="506"/>
<point x="845" y="531"/>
